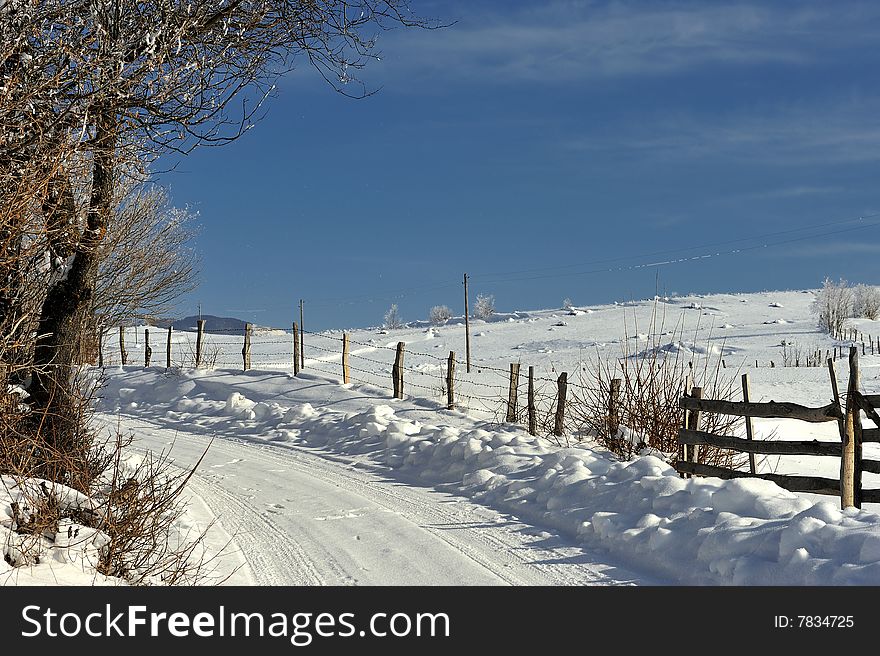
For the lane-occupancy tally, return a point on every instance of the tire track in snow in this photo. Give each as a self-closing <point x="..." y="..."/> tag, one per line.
<point x="491" y="547"/>
<point x="487" y="547"/>
<point x="258" y="537"/>
<point x="508" y="554"/>
<point x="415" y="513"/>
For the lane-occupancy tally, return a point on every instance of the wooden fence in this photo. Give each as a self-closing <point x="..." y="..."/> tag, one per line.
<point x="848" y="486"/>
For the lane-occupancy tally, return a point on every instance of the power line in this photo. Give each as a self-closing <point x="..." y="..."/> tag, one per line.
<point x="836" y="222"/>
<point x="689" y="258"/>
<point x="518" y="275"/>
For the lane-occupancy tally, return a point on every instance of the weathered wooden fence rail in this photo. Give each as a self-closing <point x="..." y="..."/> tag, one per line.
<point x="849" y="449"/>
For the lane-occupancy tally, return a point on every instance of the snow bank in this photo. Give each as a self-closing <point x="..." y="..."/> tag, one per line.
<point x="64" y="554"/>
<point x="694" y="531"/>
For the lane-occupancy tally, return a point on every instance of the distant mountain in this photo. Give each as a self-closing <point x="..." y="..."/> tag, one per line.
<point x="212" y="323"/>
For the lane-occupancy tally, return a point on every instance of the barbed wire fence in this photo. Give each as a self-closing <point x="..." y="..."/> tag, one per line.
<point x="489" y="393"/>
<point x="485" y="393"/>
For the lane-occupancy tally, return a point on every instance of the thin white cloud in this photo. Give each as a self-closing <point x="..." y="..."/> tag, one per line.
<point x="846" y="132"/>
<point x="793" y="192"/>
<point x="868" y="247"/>
<point x="569" y="41"/>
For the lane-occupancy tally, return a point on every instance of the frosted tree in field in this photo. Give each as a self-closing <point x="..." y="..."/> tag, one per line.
<point x="485" y="306"/>
<point x="833" y="305"/>
<point x="866" y="301"/>
<point x="439" y="315"/>
<point x="392" y="318"/>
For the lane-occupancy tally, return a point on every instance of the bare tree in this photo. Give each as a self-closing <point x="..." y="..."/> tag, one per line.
<point x="485" y="306"/>
<point x="866" y="301"/>
<point x="146" y="259"/>
<point x="35" y="148"/>
<point x="440" y="314"/>
<point x="392" y="318"/>
<point x="145" y="78"/>
<point x="833" y="305"/>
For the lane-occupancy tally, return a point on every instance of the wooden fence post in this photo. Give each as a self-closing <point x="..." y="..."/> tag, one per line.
<point x="562" y="384"/>
<point x="682" y="448"/>
<point x="512" y="391"/>
<point x="246" y="349"/>
<point x="397" y="371"/>
<point x="450" y="381"/>
<point x="467" y="327"/>
<point x="841" y="422"/>
<point x="613" y="408"/>
<point x="749" y="434"/>
<point x="693" y="454"/>
<point x="533" y="415"/>
<point x="168" y="349"/>
<point x="148" y="351"/>
<point x="302" y="336"/>
<point x="199" y="336"/>
<point x="851" y="456"/>
<point x="101" y="345"/>
<point x="296" y="361"/>
<point x="346" y="369"/>
<point x="122" y="351"/>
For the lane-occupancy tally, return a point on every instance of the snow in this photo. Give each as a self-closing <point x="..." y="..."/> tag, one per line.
<point x="328" y="472"/>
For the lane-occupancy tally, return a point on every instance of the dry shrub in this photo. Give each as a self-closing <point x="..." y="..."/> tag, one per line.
<point x="60" y="448"/>
<point x="652" y="382"/>
<point x="141" y="507"/>
<point x="126" y="525"/>
<point x="121" y="517"/>
<point x="210" y="354"/>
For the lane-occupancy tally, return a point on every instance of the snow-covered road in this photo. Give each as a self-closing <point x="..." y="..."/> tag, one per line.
<point x="302" y="517"/>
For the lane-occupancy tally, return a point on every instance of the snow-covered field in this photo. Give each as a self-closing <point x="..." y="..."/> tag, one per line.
<point x="315" y="482"/>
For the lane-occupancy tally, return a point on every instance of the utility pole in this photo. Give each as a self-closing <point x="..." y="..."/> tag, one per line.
<point x="302" y="356"/>
<point x="467" y="327"/>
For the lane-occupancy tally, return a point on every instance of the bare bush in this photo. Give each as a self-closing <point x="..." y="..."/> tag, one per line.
<point x="792" y="354"/>
<point x="866" y="301"/>
<point x="146" y="263"/>
<point x="484" y="308"/>
<point x="392" y="318"/>
<point x="833" y="305"/>
<point x="124" y="525"/>
<point x="652" y="381"/>
<point x="208" y="358"/>
<point x="439" y="315"/>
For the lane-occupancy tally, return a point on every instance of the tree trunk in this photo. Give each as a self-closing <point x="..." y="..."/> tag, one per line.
<point x="56" y="396"/>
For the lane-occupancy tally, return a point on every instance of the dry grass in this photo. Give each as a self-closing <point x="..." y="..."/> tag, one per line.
<point x="652" y="380"/>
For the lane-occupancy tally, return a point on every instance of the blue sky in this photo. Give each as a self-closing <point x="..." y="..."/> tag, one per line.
<point x="552" y="150"/>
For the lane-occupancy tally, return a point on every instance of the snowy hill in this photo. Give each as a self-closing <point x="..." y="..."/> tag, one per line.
<point x="307" y="470"/>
